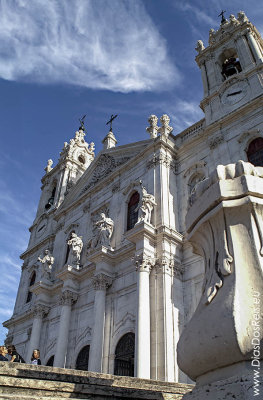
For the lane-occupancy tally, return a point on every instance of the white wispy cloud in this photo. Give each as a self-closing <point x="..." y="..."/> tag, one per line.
<point x="97" y="44"/>
<point x="200" y="14"/>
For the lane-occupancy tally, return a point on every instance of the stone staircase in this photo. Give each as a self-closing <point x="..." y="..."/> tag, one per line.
<point x="30" y="382"/>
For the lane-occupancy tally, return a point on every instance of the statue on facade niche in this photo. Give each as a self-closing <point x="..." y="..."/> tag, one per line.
<point x="76" y="244"/>
<point x="145" y="206"/>
<point x="103" y="230"/>
<point x="47" y="261"/>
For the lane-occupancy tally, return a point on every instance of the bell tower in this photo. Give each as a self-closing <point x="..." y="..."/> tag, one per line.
<point x="231" y="67"/>
<point x="75" y="158"/>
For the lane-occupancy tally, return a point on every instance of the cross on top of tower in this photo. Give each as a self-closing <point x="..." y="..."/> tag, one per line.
<point x="110" y="121"/>
<point x="223" y="20"/>
<point x="81" y="120"/>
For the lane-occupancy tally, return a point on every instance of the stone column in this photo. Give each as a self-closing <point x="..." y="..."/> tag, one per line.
<point x="254" y="46"/>
<point x="164" y="311"/>
<point x="224" y="225"/>
<point x="144" y="264"/>
<point x="100" y="282"/>
<point x="39" y="312"/>
<point x="67" y="299"/>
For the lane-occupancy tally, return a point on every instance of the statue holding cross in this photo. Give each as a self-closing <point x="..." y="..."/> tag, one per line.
<point x="110" y="121"/>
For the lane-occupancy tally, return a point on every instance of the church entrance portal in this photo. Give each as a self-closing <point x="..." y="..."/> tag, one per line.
<point x="124" y="355"/>
<point x="83" y="359"/>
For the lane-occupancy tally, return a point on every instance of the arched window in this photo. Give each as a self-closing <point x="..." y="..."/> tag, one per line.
<point x="50" y="201"/>
<point x="50" y="361"/>
<point x="83" y="359"/>
<point x="255" y="152"/>
<point x="32" y="281"/>
<point x="132" y="214"/>
<point x="124" y="355"/>
<point x="81" y="159"/>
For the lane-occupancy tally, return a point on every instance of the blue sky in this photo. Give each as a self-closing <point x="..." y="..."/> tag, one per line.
<point x="62" y="59"/>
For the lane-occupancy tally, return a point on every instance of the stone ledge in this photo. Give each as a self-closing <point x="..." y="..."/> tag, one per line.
<point x="23" y="381"/>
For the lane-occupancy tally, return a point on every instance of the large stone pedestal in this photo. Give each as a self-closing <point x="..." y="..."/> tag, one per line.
<point x="225" y="226"/>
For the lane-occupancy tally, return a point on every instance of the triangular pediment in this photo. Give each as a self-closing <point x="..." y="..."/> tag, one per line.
<point x="105" y="164"/>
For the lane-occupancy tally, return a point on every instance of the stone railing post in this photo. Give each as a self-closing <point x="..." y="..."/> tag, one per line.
<point x="224" y="225"/>
<point x="67" y="299"/>
<point x="100" y="283"/>
<point x="39" y="312"/>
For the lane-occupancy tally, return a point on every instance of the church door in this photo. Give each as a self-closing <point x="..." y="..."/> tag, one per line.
<point x="124" y="355"/>
<point x="83" y="359"/>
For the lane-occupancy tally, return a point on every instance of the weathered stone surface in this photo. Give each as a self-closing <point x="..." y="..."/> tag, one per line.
<point x="237" y="387"/>
<point x="22" y="381"/>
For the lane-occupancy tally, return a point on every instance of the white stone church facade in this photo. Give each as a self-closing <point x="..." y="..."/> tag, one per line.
<point x="109" y="278"/>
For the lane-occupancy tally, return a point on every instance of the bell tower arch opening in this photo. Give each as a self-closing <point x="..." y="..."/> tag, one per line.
<point x="230" y="63"/>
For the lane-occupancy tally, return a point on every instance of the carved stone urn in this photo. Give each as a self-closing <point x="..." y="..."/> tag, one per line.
<point x="224" y="225"/>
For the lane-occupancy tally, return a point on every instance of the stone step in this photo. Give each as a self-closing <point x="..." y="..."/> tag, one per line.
<point x="22" y="381"/>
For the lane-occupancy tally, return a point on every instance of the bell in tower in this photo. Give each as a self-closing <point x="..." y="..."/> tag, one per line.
<point x="231" y="66"/>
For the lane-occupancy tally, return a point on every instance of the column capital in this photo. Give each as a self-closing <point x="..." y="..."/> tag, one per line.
<point x="67" y="298"/>
<point x="40" y="310"/>
<point x="165" y="265"/>
<point x="143" y="262"/>
<point x="101" y="281"/>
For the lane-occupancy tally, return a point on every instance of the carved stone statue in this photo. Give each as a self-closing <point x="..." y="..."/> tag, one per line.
<point x="103" y="230"/>
<point x="199" y="46"/>
<point x="242" y="17"/>
<point x="49" y="166"/>
<point x="165" y="129"/>
<point x="212" y="36"/>
<point x="47" y="261"/>
<point x="233" y="19"/>
<point x="92" y="146"/>
<point x="153" y="128"/>
<point x="76" y="245"/>
<point x="145" y="206"/>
